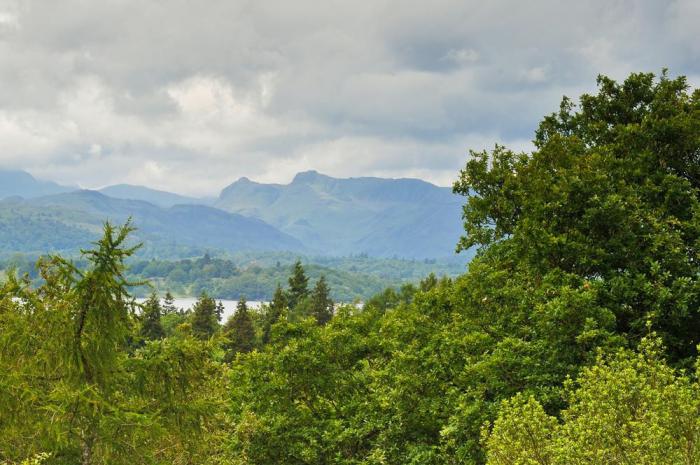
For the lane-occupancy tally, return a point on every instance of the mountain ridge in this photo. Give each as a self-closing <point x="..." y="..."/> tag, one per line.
<point x="382" y="217"/>
<point x="157" y="197"/>
<point x="81" y="213"/>
<point x="385" y="217"/>
<point x="23" y="184"/>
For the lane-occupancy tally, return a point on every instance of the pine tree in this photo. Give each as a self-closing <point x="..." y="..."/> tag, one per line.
<point x="204" y="317"/>
<point x="169" y="304"/>
<point x="274" y="312"/>
<point x="298" y="285"/>
<point x="239" y="331"/>
<point x="321" y="303"/>
<point x="219" y="311"/>
<point x="151" y="328"/>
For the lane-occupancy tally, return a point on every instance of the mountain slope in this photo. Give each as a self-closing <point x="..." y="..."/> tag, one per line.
<point x="23" y="184"/>
<point x="66" y="220"/>
<point x="380" y="217"/>
<point x="154" y="196"/>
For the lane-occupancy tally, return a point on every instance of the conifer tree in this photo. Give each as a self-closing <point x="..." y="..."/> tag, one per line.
<point x="274" y="311"/>
<point x="151" y="327"/>
<point x="204" y="317"/>
<point x="239" y="331"/>
<point x="168" y="304"/>
<point x="298" y="285"/>
<point x="321" y="303"/>
<point x="219" y="311"/>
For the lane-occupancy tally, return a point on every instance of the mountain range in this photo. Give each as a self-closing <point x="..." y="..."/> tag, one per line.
<point x="379" y="217"/>
<point x="314" y="214"/>
<point x="23" y="184"/>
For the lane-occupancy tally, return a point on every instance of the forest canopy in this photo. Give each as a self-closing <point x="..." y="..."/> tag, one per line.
<point x="571" y="338"/>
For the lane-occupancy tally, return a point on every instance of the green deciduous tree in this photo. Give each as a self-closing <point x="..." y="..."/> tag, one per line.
<point x="609" y="196"/>
<point x="628" y="408"/>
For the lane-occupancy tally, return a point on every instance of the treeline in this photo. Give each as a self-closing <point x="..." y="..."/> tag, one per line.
<point x="256" y="275"/>
<point x="225" y="279"/>
<point x="572" y="338"/>
<point x="249" y="327"/>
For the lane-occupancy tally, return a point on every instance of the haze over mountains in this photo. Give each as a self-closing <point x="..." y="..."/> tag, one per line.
<point x="23" y="184"/>
<point x="313" y="214"/>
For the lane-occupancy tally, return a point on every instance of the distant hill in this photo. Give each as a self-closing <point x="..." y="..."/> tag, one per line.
<point x="318" y="214"/>
<point x="380" y="217"/>
<point x="23" y="184"/>
<point x="65" y="222"/>
<point x="154" y="196"/>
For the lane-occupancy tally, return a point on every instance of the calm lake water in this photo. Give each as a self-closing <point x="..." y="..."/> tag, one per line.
<point x="229" y="305"/>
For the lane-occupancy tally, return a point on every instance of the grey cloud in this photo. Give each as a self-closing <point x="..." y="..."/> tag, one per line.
<point x="189" y="96"/>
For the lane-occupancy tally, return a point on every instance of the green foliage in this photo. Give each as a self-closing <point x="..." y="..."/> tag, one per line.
<point x="256" y="275"/>
<point x="587" y="245"/>
<point x="628" y="408"/>
<point x="273" y="312"/>
<point x="151" y="326"/>
<point x="239" y="331"/>
<point x="303" y="399"/>
<point x="610" y="196"/>
<point x="298" y="285"/>
<point x="204" y="319"/>
<point x="321" y="303"/>
<point x="169" y="304"/>
<point x="73" y="385"/>
<point x="584" y="243"/>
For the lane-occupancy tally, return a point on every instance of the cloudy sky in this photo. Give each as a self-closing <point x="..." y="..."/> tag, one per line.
<point x="189" y="95"/>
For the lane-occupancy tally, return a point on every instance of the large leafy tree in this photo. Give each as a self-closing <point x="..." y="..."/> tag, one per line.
<point x="610" y="198"/>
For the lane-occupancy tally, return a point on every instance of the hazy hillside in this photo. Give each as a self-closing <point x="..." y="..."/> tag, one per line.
<point x="319" y="214"/>
<point x="66" y="221"/>
<point x="23" y="184"/>
<point x="154" y="196"/>
<point x="381" y="217"/>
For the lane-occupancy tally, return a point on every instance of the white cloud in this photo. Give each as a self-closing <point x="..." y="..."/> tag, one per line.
<point x="190" y="97"/>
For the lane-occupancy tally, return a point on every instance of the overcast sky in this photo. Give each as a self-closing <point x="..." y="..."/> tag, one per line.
<point x="190" y="95"/>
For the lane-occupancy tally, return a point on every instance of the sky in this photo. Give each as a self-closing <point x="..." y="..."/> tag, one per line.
<point x="188" y="96"/>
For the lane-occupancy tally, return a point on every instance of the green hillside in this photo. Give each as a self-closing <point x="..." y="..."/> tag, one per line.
<point x="380" y="217"/>
<point x="63" y="222"/>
